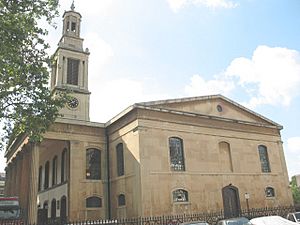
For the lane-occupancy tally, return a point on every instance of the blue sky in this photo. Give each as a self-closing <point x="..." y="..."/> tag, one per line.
<point x="247" y="50"/>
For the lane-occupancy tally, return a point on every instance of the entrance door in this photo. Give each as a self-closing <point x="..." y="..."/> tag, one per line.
<point x="231" y="201"/>
<point x="63" y="209"/>
<point x="42" y="216"/>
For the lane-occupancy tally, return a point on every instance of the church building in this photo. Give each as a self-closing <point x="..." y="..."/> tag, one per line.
<point x="187" y="155"/>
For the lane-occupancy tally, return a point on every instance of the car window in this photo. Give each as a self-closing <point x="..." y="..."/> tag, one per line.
<point x="238" y="222"/>
<point x="291" y="217"/>
<point x="297" y="215"/>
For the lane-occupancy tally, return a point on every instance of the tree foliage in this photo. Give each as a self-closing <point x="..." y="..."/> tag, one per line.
<point x="295" y="190"/>
<point x="27" y="105"/>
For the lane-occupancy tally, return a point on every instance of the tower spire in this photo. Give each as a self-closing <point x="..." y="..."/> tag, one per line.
<point x="72" y="6"/>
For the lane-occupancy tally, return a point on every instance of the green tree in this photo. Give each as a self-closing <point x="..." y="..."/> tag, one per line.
<point x="295" y="190"/>
<point x="27" y="105"/>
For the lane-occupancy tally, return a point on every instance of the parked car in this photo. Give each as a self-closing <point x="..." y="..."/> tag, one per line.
<point x="234" y="221"/>
<point x="194" y="223"/>
<point x="271" y="220"/>
<point x="295" y="217"/>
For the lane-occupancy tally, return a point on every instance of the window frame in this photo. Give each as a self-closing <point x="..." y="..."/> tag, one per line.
<point x="264" y="159"/>
<point x="93" y="168"/>
<point x="121" y="200"/>
<point x="73" y="71"/>
<point x="180" y="191"/>
<point x="272" y="192"/>
<point x="92" y="204"/>
<point x="178" y="155"/>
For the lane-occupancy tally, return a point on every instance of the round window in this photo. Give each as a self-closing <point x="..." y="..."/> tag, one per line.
<point x="219" y="108"/>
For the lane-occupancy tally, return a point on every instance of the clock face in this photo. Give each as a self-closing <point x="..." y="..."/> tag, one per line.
<point x="73" y="103"/>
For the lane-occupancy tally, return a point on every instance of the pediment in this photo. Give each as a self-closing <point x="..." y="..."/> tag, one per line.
<point x="213" y="105"/>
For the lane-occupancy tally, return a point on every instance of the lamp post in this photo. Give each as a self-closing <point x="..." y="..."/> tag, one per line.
<point x="247" y="197"/>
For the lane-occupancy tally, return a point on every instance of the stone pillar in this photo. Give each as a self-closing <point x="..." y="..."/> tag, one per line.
<point x="13" y="178"/>
<point x="33" y="185"/>
<point x="7" y="180"/>
<point x="24" y="182"/>
<point x="18" y="163"/>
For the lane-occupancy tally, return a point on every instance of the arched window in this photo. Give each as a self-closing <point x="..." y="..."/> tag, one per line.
<point x="93" y="202"/>
<point x="121" y="200"/>
<point x="176" y="154"/>
<point x="40" y="178"/>
<point x="264" y="159"/>
<point x="53" y="209"/>
<point x="93" y="164"/>
<point x="46" y="177"/>
<point x="63" y="167"/>
<point x="120" y="159"/>
<point x="270" y="192"/>
<point x="54" y="171"/>
<point x="225" y="157"/>
<point x="180" y="195"/>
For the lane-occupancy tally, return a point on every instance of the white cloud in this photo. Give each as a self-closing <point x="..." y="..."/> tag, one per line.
<point x="271" y="76"/>
<point x="176" y="5"/>
<point x="293" y="144"/>
<point x="199" y="86"/>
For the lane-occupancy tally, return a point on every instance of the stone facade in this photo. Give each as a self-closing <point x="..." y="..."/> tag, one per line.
<point x="177" y="156"/>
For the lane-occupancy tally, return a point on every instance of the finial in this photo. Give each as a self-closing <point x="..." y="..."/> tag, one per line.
<point x="72" y="6"/>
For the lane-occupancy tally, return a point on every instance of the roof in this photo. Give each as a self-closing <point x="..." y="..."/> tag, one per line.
<point x="158" y="106"/>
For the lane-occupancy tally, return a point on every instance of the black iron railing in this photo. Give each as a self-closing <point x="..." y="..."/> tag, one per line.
<point x="211" y="218"/>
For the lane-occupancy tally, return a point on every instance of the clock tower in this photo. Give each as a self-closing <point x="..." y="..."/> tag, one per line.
<point x="70" y="68"/>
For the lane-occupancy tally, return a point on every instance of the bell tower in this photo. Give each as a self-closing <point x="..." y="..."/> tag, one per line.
<point x="70" y="68"/>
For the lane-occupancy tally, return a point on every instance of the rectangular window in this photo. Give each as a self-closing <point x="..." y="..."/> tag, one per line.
<point x="73" y="28"/>
<point x="72" y="71"/>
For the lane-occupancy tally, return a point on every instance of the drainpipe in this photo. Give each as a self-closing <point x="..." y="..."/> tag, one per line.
<point x="108" y="174"/>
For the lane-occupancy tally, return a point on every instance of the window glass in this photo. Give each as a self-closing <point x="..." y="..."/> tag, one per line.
<point x="264" y="159"/>
<point x="176" y="154"/>
<point x="121" y="200"/>
<point x="270" y="192"/>
<point x="93" y="164"/>
<point x="297" y="215"/>
<point x="93" y="202"/>
<point x="180" y="195"/>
